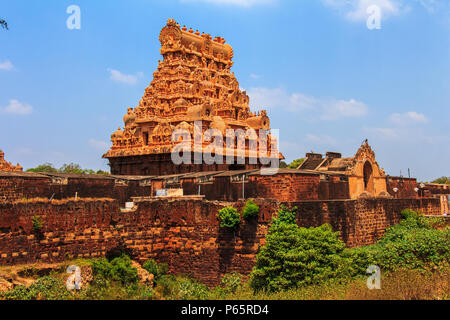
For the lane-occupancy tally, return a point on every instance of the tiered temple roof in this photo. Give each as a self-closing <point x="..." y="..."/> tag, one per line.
<point x="192" y="83"/>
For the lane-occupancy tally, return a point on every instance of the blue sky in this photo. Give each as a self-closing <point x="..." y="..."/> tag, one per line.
<point x="327" y="81"/>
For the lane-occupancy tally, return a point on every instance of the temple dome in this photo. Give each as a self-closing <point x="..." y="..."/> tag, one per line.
<point x="117" y="134"/>
<point x="129" y="118"/>
<point x="181" y="103"/>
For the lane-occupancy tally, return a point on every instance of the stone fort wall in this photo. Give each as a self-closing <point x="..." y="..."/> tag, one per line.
<point x="183" y="233"/>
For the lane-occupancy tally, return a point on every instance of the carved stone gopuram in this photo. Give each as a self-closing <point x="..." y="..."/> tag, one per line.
<point x="7" y="166"/>
<point x="193" y="83"/>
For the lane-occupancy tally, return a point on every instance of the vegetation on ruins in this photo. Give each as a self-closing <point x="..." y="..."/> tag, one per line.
<point x="229" y="218"/>
<point x="296" y="263"/>
<point x="442" y="180"/>
<point x="250" y="211"/>
<point x="158" y="270"/>
<point x="415" y="243"/>
<point x="295" y="256"/>
<point x="72" y="168"/>
<point x="37" y="223"/>
<point x="118" y="269"/>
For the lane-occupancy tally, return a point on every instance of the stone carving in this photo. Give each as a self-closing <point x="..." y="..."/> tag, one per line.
<point x="192" y="83"/>
<point x="7" y="166"/>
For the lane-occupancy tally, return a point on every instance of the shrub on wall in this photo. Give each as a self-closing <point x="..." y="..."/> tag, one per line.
<point x="229" y="218"/>
<point x="295" y="256"/>
<point x="285" y="215"/>
<point x="37" y="224"/>
<point x="250" y="211"/>
<point x="119" y="269"/>
<point x="411" y="244"/>
<point x="157" y="269"/>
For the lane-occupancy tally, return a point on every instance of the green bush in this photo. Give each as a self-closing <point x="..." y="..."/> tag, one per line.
<point x="229" y="218"/>
<point x="45" y="288"/>
<point x="411" y="244"/>
<point x="122" y="270"/>
<point x="250" y="211"/>
<point x="176" y="288"/>
<point x="231" y="282"/>
<point x="37" y="224"/>
<point x="295" y="256"/>
<point x="157" y="269"/>
<point x="119" y="269"/>
<point x="285" y="215"/>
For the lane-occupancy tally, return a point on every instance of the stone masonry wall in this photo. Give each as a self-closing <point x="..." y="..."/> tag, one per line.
<point x="183" y="233"/>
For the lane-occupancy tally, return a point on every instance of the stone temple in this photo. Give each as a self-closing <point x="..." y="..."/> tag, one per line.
<point x="8" y="166"/>
<point x="193" y="83"/>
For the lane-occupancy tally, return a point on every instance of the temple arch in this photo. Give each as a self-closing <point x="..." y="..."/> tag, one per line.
<point x="368" y="177"/>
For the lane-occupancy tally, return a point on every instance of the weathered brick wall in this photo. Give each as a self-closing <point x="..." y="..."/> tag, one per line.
<point x="17" y="187"/>
<point x="438" y="189"/>
<point x="334" y="189"/>
<point x="183" y="233"/>
<point x="26" y="185"/>
<point x="286" y="187"/>
<point x="405" y="187"/>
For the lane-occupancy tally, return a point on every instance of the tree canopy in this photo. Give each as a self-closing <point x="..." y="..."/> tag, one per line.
<point x="295" y="164"/>
<point x="442" y="180"/>
<point x="66" y="168"/>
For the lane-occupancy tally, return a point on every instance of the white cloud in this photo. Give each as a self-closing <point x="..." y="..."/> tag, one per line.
<point x="336" y="109"/>
<point x="356" y="10"/>
<point x="408" y="118"/>
<point x="321" y="139"/>
<point x="386" y="133"/>
<point x="6" y="65"/>
<point x="117" y="76"/>
<point x="97" y="144"/>
<point x="278" y="98"/>
<point x="16" y="107"/>
<point x="325" y="109"/>
<point x="240" y="3"/>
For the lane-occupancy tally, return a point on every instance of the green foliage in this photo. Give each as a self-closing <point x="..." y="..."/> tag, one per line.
<point x="285" y="215"/>
<point x="118" y="269"/>
<point x="37" y="224"/>
<point x="442" y="180"/>
<point x="71" y="168"/>
<point x="250" y="211"/>
<point x="229" y="218"/>
<point x="295" y="256"/>
<point x="412" y="244"/>
<point x="296" y="163"/>
<point x="231" y="282"/>
<point x="46" y="167"/>
<point x="157" y="269"/>
<point x="45" y="288"/>
<point x="181" y="288"/>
